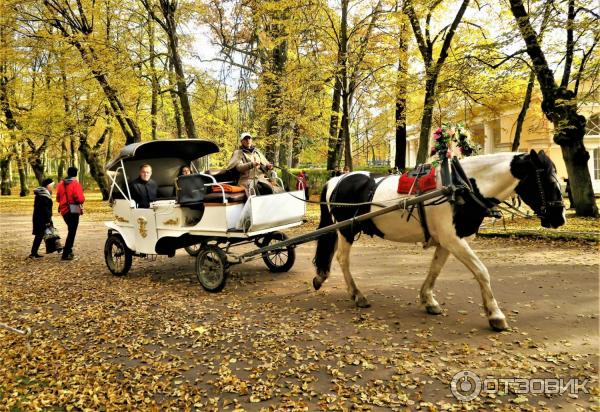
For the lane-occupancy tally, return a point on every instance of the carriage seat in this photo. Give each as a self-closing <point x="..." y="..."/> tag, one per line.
<point x="165" y="192"/>
<point x="217" y="196"/>
<point x="195" y="190"/>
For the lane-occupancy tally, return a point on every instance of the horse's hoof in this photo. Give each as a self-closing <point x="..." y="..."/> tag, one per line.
<point x="433" y="309"/>
<point x="362" y="302"/>
<point x="316" y="283"/>
<point x="498" y="324"/>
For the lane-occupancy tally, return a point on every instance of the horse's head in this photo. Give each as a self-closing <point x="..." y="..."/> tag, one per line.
<point x="539" y="188"/>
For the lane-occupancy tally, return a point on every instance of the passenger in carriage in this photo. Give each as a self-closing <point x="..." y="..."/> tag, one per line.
<point x="184" y="171"/>
<point x="144" y="189"/>
<point x="253" y="167"/>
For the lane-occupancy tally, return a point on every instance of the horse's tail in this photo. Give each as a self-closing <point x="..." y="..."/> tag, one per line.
<point x="326" y="243"/>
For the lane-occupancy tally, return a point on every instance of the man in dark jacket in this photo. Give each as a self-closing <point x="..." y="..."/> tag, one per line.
<point x="70" y="193"/>
<point x="42" y="215"/>
<point x="143" y="189"/>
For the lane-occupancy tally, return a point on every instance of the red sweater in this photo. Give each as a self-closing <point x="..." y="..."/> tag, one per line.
<point x="72" y="192"/>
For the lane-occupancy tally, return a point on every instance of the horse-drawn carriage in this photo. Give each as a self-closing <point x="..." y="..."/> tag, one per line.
<point x="186" y="214"/>
<point x="195" y="212"/>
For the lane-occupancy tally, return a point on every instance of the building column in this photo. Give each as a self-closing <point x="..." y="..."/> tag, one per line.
<point x="488" y="138"/>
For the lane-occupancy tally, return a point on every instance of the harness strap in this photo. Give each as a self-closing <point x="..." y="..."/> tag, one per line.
<point x="423" y="220"/>
<point x="421" y="208"/>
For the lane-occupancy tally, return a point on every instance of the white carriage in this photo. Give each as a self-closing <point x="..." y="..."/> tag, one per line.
<point x="194" y="212"/>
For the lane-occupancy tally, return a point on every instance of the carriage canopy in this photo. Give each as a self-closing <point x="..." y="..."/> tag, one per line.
<point x="184" y="149"/>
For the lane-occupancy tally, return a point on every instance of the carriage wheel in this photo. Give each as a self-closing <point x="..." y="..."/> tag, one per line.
<point x="117" y="255"/>
<point x="278" y="260"/>
<point x="211" y="268"/>
<point x="193" y="250"/>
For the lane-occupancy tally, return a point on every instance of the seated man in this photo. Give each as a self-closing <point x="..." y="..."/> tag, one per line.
<point x="252" y="166"/>
<point x="143" y="189"/>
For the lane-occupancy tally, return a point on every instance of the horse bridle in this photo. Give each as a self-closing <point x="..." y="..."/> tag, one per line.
<point x="545" y="205"/>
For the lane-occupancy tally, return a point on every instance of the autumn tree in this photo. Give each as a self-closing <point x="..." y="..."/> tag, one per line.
<point x="353" y="38"/>
<point x="164" y="12"/>
<point x="433" y="66"/>
<point x="74" y="20"/>
<point x="559" y="102"/>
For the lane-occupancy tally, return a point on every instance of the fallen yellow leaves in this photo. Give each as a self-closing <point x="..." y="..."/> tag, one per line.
<point x="154" y="341"/>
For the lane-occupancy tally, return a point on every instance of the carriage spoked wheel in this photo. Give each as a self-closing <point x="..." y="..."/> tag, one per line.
<point x="211" y="268"/>
<point x="193" y="250"/>
<point x="117" y="255"/>
<point x="278" y="260"/>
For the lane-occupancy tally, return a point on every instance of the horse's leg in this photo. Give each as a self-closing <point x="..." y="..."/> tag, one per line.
<point x="343" y="257"/>
<point x="439" y="259"/>
<point x="460" y="248"/>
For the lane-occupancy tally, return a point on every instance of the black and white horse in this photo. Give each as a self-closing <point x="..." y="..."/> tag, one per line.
<point x="494" y="177"/>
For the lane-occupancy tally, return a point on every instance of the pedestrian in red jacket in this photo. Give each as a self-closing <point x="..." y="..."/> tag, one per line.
<point x="303" y="183"/>
<point x="70" y="198"/>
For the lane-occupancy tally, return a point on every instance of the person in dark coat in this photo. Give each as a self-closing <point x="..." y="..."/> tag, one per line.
<point x="144" y="189"/>
<point x="42" y="215"/>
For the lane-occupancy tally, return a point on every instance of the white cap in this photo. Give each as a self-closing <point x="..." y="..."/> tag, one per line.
<point x="245" y="135"/>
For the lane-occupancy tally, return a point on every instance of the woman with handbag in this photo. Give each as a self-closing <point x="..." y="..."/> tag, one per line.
<point x="70" y="198"/>
<point x="42" y="215"/>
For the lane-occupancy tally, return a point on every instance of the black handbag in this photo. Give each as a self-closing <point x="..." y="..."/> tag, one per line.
<point x="52" y="240"/>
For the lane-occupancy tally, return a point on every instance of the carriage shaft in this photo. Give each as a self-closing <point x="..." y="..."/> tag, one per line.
<point x="297" y="240"/>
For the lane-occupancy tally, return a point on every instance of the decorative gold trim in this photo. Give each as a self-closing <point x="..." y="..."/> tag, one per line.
<point x="174" y="222"/>
<point x="121" y="219"/>
<point x="142" y="229"/>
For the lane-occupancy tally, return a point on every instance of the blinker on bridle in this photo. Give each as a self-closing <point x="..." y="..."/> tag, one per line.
<point x="545" y="205"/>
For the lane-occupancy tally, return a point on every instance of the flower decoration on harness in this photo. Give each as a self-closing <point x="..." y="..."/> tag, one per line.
<point x="443" y="138"/>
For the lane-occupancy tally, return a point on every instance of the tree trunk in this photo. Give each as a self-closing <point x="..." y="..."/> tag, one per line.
<point x="339" y="146"/>
<point x="523" y="112"/>
<point x="63" y="161"/>
<point x="426" y="121"/>
<point x="560" y="107"/>
<point x="400" y="155"/>
<point x="333" y="142"/>
<point x="345" y="126"/>
<point x="153" y="79"/>
<point x="24" y="189"/>
<point x="273" y="80"/>
<point x="296" y="148"/>
<point x="37" y="166"/>
<point x="346" y="130"/>
<point x="92" y="158"/>
<point x="182" y="90"/>
<point x="174" y="100"/>
<point x="5" y="184"/>
<point x="108" y="156"/>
